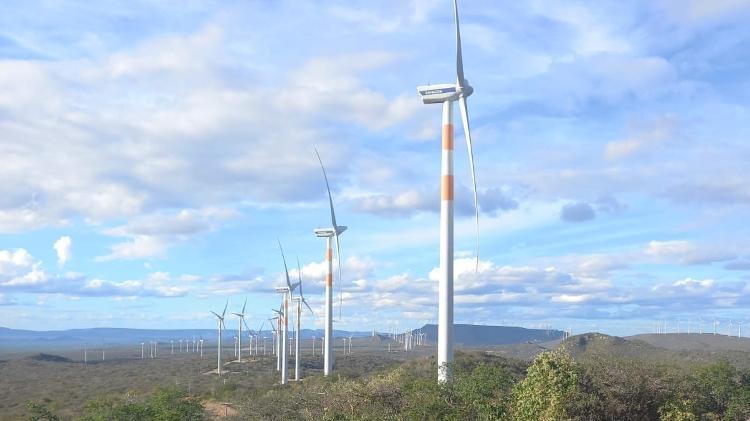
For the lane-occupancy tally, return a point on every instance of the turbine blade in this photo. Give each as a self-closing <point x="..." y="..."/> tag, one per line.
<point x="243" y="306"/>
<point x="467" y="135"/>
<point x="246" y="326"/>
<point x="215" y="314"/>
<point x="299" y="276"/>
<point x="261" y="327"/>
<point x="308" y="307"/>
<point x="328" y="187"/>
<point x="225" y="309"/>
<point x="286" y="271"/>
<point x="459" y="58"/>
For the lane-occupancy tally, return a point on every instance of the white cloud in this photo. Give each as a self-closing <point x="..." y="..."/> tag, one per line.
<point x="63" y="248"/>
<point x="18" y="269"/>
<point x="653" y="133"/>
<point x="699" y="11"/>
<point x="151" y="235"/>
<point x="572" y="298"/>
<point x="684" y="252"/>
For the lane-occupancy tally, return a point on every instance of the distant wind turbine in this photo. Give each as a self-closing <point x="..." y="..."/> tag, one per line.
<point x="241" y="320"/>
<point x="284" y="314"/>
<point x="221" y="328"/>
<point x="447" y="94"/>
<point x="299" y="300"/>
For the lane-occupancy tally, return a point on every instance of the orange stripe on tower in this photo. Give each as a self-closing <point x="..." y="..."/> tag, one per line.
<point x="329" y="280"/>
<point x="448" y="136"/>
<point x="446" y="187"/>
<point x="329" y="255"/>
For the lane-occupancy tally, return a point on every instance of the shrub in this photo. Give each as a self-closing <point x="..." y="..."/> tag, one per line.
<point x="39" y="412"/>
<point x="679" y="410"/>
<point x="164" y="405"/>
<point x="550" y="381"/>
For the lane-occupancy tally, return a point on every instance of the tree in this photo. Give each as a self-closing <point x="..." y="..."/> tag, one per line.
<point x="550" y="381"/>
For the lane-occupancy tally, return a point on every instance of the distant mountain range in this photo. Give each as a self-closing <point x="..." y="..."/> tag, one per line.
<point x="471" y="335"/>
<point x="15" y="339"/>
<point x="482" y="335"/>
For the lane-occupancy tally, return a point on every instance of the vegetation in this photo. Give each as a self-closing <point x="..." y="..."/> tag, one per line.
<point x="582" y="384"/>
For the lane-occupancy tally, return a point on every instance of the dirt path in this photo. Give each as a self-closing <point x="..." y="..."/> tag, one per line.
<point x="218" y="410"/>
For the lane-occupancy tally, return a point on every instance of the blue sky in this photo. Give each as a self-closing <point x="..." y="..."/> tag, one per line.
<point x="153" y="153"/>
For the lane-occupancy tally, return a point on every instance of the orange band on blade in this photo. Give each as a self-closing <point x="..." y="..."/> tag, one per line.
<point x="329" y="255"/>
<point x="329" y="280"/>
<point x="448" y="136"/>
<point x="447" y="187"/>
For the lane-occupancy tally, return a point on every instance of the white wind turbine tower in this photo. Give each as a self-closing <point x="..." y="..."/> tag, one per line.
<point x="274" y="343"/>
<point x="328" y="233"/>
<point x="300" y="300"/>
<point x="258" y="335"/>
<point x="218" y="347"/>
<point x="447" y="94"/>
<point x="241" y="316"/>
<point x="281" y="341"/>
<point x="287" y="293"/>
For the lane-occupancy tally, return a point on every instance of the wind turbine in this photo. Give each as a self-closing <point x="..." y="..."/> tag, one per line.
<point x="328" y="233"/>
<point x="299" y="300"/>
<point x="218" y="347"/>
<point x="257" y="335"/>
<point x="286" y="295"/>
<point x="241" y="320"/>
<point x="447" y="94"/>
<point x="281" y="341"/>
<point x="273" y="340"/>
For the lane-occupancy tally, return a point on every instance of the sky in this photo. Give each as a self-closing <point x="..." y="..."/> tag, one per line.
<point x="154" y="152"/>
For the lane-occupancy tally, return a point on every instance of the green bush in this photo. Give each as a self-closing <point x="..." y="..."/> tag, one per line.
<point x="550" y="382"/>
<point x="39" y="412"/>
<point x="164" y="405"/>
<point x="679" y="410"/>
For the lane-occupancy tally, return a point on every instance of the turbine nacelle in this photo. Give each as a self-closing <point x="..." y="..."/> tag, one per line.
<point x="330" y="232"/>
<point x="442" y="92"/>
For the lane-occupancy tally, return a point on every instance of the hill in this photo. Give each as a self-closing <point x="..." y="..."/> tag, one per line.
<point x="484" y="335"/>
<point x="591" y="346"/>
<point x="695" y="341"/>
